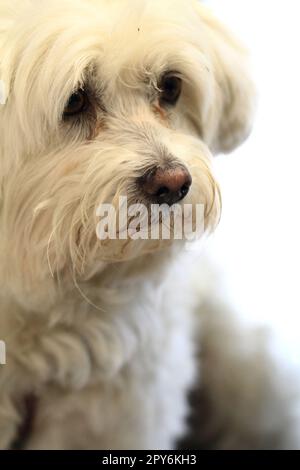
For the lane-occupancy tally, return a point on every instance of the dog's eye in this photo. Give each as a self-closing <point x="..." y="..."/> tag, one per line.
<point x="77" y="103"/>
<point x="170" y="87"/>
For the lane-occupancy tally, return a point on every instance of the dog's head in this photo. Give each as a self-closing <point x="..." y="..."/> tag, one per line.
<point x="110" y="98"/>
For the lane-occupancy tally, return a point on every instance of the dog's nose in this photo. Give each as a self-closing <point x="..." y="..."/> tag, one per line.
<point x="167" y="186"/>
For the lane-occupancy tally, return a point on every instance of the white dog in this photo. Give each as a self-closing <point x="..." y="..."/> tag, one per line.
<point x="110" y="98"/>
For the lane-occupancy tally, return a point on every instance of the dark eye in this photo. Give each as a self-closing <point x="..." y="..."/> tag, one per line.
<point x="77" y="103"/>
<point x="170" y="87"/>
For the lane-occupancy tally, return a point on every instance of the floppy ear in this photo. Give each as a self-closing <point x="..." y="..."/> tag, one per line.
<point x="233" y="105"/>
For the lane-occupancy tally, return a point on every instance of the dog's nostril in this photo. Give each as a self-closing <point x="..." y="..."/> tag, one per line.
<point x="167" y="186"/>
<point x="162" y="192"/>
<point x="185" y="189"/>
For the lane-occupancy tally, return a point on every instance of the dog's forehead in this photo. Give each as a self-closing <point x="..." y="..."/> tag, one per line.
<point x="110" y="14"/>
<point x="122" y="40"/>
<point x="116" y="25"/>
<point x="117" y="34"/>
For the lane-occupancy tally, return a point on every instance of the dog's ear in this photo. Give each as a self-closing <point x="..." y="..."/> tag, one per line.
<point x="233" y="100"/>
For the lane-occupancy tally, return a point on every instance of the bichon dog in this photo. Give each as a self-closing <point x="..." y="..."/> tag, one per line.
<point x="102" y="100"/>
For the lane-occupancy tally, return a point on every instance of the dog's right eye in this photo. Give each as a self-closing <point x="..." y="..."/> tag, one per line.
<point x="78" y="102"/>
<point x="170" y="87"/>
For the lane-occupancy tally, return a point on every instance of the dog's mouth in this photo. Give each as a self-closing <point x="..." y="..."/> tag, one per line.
<point x="129" y="211"/>
<point x="134" y="223"/>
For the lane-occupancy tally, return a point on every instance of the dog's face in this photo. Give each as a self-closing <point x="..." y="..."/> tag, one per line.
<point x="109" y="98"/>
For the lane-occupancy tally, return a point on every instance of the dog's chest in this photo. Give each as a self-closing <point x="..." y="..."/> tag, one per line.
<point x="127" y="367"/>
<point x="146" y="328"/>
<point x="141" y="325"/>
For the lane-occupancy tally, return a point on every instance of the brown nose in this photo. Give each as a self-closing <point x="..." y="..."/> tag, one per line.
<point x="167" y="186"/>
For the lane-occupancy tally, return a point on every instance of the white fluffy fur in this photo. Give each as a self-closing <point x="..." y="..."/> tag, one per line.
<point x="101" y="333"/>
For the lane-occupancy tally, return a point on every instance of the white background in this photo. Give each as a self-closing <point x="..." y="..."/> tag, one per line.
<point x="258" y="242"/>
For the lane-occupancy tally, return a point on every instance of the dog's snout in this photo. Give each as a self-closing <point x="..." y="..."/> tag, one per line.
<point x="167" y="186"/>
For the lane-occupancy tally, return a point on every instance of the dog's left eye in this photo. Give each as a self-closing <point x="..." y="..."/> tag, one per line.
<point x="170" y="86"/>
<point x="77" y="103"/>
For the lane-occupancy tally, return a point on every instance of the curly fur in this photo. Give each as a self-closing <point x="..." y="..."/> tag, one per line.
<point x="100" y="333"/>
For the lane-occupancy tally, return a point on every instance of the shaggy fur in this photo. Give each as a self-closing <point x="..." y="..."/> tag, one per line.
<point x="99" y="335"/>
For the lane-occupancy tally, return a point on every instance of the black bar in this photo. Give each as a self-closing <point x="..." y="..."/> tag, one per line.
<point x="139" y="459"/>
